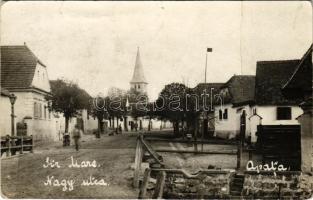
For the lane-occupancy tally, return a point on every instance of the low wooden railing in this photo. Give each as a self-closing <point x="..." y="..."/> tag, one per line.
<point x="143" y="146"/>
<point x="12" y="144"/>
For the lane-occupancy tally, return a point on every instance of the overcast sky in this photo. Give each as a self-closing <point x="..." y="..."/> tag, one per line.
<point x="95" y="43"/>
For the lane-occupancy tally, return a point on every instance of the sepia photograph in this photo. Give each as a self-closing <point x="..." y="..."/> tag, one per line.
<point x="156" y="100"/>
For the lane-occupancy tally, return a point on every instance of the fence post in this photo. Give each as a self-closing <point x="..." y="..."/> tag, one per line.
<point x="241" y="138"/>
<point x="138" y="160"/>
<point x="145" y="182"/>
<point x="159" y="188"/>
<point x="21" y="148"/>
<point x="239" y="152"/>
<point x="32" y="148"/>
<point x="8" y="144"/>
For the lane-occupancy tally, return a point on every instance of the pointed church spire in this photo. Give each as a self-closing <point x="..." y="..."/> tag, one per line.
<point x="138" y="76"/>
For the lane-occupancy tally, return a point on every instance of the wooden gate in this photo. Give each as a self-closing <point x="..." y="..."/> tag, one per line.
<point x="280" y="143"/>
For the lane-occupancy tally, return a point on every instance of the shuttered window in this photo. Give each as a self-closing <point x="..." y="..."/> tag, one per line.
<point x="220" y="115"/>
<point x="225" y="114"/>
<point x="283" y="113"/>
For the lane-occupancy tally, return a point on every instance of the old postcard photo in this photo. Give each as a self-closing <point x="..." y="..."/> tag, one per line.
<point x="156" y="100"/>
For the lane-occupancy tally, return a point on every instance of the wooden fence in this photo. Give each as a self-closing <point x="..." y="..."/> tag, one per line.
<point x="12" y="144"/>
<point x="280" y="143"/>
<point x="142" y="147"/>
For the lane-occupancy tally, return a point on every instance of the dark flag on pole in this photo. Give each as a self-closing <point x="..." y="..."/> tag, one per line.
<point x="209" y="49"/>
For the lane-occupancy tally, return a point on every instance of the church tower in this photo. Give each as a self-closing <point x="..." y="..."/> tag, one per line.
<point x="138" y="82"/>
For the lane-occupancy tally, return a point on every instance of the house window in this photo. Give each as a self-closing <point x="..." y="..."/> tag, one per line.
<point x="225" y="114"/>
<point x="220" y="114"/>
<point x="40" y="111"/>
<point x="138" y="86"/>
<point x="283" y="113"/>
<point x="254" y="111"/>
<point x="35" y="110"/>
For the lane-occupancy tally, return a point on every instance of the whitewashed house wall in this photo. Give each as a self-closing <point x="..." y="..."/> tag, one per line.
<point x="5" y="117"/>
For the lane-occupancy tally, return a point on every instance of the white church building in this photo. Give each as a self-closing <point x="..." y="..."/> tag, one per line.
<point x="139" y="84"/>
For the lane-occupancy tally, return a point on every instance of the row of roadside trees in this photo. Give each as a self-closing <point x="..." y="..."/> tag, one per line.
<point x="176" y="103"/>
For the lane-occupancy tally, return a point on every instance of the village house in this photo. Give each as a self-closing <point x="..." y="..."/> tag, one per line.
<point x="25" y="76"/>
<point x="271" y="107"/>
<point x="238" y="97"/>
<point x="299" y="85"/>
<point x="5" y="117"/>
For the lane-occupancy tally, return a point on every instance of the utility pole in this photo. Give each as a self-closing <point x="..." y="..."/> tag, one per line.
<point x="205" y="114"/>
<point x="206" y="62"/>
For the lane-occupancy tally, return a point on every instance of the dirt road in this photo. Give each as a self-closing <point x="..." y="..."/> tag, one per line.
<point x="30" y="176"/>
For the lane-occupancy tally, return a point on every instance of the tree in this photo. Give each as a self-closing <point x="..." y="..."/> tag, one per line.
<point x="138" y="102"/>
<point x="171" y="104"/>
<point x="116" y="104"/>
<point x="99" y="110"/>
<point x="68" y="98"/>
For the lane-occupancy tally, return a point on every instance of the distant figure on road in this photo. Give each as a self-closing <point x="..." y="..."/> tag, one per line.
<point x="76" y="136"/>
<point x="66" y="139"/>
<point x="136" y="126"/>
<point x="120" y="129"/>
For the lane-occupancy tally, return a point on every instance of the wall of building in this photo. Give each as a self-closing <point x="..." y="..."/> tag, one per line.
<point x="254" y="120"/>
<point x="5" y="117"/>
<point x="23" y="105"/>
<point x="41" y="79"/>
<point x="230" y="127"/>
<point x="90" y="123"/>
<point x="156" y="124"/>
<point x="44" y="126"/>
<point x="269" y="114"/>
<point x="139" y="87"/>
<point x="286" y="186"/>
<point x="205" y="185"/>
<point x="306" y="141"/>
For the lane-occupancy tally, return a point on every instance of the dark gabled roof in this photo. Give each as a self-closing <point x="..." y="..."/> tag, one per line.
<point x="300" y="82"/>
<point x="241" y="90"/>
<point x="201" y="87"/>
<point x="210" y="89"/>
<point x="18" y="65"/>
<point x="270" y="78"/>
<point x="5" y="92"/>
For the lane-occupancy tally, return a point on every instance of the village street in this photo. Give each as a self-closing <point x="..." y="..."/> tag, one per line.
<point x="24" y="176"/>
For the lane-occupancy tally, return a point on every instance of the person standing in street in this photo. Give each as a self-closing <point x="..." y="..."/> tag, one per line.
<point x="76" y="136"/>
<point x="66" y="139"/>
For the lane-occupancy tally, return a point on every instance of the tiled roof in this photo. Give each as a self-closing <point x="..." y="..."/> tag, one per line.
<point x="199" y="89"/>
<point x="300" y="81"/>
<point x="18" y="66"/>
<point x="270" y="78"/>
<point x="241" y="89"/>
<point x="207" y="89"/>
